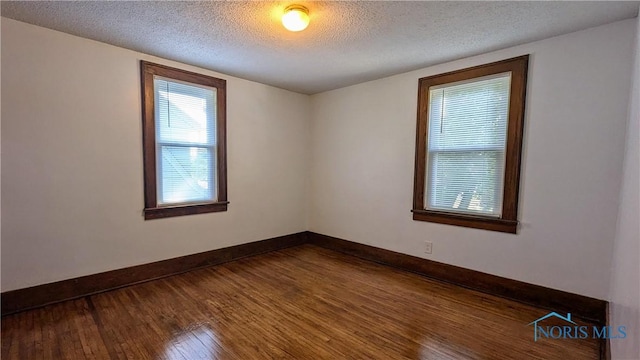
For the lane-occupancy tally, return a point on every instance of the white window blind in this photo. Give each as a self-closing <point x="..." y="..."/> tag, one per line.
<point x="466" y="145"/>
<point x="185" y="117"/>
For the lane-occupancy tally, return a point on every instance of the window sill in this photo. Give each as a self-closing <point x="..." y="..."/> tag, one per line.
<point x="477" y="222"/>
<point x="181" y="210"/>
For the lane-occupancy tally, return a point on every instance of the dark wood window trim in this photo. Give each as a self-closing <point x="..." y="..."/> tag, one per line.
<point x="508" y="222"/>
<point x="151" y="208"/>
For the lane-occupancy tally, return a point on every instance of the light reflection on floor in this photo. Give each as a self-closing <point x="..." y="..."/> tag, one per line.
<point x="435" y="350"/>
<point x="197" y="342"/>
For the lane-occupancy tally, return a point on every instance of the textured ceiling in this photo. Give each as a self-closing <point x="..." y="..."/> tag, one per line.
<point x="346" y="42"/>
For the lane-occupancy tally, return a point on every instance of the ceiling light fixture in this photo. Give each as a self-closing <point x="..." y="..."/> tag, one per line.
<point x="295" y="18"/>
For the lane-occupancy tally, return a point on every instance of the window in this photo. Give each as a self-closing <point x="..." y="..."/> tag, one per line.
<point x="184" y="137"/>
<point x="468" y="145"/>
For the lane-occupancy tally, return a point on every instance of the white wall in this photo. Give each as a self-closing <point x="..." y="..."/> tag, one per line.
<point x="363" y="145"/>
<point x="0" y="152"/>
<point x="625" y="279"/>
<point x="72" y="185"/>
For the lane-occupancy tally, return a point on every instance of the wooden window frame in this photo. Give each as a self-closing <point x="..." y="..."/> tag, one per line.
<point x="508" y="221"/>
<point x="151" y="208"/>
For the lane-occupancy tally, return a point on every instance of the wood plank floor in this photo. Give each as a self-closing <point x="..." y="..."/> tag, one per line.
<point x="300" y="303"/>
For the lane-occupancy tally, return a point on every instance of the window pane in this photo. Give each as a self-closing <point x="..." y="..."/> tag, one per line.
<point x="471" y="115"/>
<point x="466" y="182"/>
<point x="184" y="113"/>
<point x="467" y="136"/>
<point x="185" y="174"/>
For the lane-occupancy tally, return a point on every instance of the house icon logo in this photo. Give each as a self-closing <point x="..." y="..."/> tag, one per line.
<point x="537" y="328"/>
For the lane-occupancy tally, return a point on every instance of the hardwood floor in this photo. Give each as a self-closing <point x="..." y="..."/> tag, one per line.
<point x="299" y="303"/>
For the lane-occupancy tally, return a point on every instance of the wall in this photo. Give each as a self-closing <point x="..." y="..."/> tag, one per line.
<point x="625" y="279"/>
<point x="363" y="140"/>
<point x="0" y="152"/>
<point x="72" y="190"/>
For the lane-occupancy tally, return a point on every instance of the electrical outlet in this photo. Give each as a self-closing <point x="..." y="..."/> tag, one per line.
<point x="428" y="247"/>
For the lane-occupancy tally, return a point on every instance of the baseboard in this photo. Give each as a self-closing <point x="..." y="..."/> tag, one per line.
<point x="587" y="308"/>
<point x="41" y="295"/>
